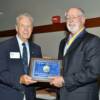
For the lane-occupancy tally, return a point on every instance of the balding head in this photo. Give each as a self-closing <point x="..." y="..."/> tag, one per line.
<point x="78" y="11"/>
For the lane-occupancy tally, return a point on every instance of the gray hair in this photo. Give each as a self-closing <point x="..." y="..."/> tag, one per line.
<point x="82" y="13"/>
<point x="25" y="15"/>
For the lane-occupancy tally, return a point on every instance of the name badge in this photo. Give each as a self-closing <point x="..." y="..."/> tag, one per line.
<point x="14" y="55"/>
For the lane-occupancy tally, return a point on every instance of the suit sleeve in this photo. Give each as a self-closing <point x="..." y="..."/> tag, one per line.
<point x="90" y="70"/>
<point x="36" y="50"/>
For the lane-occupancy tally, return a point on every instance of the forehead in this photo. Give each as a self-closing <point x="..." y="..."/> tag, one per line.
<point x="24" y="19"/>
<point x="73" y="12"/>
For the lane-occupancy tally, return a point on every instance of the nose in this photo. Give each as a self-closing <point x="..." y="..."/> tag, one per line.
<point x="70" y="20"/>
<point x="25" y="29"/>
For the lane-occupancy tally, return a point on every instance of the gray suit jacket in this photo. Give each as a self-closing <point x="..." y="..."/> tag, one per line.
<point x="81" y="69"/>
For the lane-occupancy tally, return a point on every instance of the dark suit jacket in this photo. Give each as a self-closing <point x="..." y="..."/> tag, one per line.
<point x="61" y="48"/>
<point x="81" y="69"/>
<point x="12" y="68"/>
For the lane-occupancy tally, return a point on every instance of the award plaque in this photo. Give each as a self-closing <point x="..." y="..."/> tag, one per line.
<point x="44" y="69"/>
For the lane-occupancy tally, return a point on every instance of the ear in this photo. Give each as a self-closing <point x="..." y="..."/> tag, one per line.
<point x="16" y="27"/>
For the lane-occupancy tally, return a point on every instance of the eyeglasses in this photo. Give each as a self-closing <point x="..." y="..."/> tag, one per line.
<point x="25" y="26"/>
<point x="72" y="18"/>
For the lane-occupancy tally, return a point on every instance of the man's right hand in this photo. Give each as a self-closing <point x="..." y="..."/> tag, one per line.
<point x="27" y="80"/>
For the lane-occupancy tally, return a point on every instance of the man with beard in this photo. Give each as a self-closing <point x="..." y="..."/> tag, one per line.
<point x="81" y="61"/>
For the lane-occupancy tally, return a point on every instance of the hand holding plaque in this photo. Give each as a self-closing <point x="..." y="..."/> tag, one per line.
<point x="44" y="69"/>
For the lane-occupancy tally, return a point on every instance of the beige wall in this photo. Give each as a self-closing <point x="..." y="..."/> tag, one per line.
<point x="42" y="11"/>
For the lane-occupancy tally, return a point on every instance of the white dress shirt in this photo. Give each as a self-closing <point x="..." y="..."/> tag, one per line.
<point x="20" y="42"/>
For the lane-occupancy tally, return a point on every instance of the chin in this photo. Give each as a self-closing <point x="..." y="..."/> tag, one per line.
<point x="26" y="38"/>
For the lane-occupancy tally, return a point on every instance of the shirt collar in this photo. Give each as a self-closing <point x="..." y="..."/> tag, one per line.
<point x="77" y="33"/>
<point x="20" y="41"/>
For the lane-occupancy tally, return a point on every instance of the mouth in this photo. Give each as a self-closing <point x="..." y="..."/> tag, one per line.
<point x="72" y="25"/>
<point x="26" y="33"/>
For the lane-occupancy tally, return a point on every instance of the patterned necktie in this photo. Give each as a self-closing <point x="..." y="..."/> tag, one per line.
<point x="25" y="58"/>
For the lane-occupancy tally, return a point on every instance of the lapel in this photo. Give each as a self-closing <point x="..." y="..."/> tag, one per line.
<point x="31" y="50"/>
<point x="32" y="53"/>
<point x="14" y="45"/>
<point x="76" y="42"/>
<point x="63" y="44"/>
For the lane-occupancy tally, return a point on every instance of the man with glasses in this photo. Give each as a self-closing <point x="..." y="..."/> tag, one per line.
<point x="81" y="60"/>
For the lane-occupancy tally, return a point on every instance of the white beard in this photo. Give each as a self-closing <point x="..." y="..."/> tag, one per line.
<point x="73" y="28"/>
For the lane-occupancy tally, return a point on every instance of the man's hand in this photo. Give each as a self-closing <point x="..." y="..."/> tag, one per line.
<point x="57" y="81"/>
<point x="25" y="79"/>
